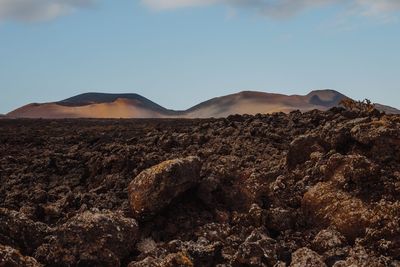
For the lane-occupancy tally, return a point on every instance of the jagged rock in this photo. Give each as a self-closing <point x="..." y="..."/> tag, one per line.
<point x="279" y="219"/>
<point x="17" y="231"/>
<point x="10" y="257"/>
<point x="326" y="205"/>
<point x="305" y="257"/>
<point x="90" y="239"/>
<point x="328" y="239"/>
<point x="177" y="260"/>
<point x="202" y="252"/>
<point x="360" y="257"/>
<point x="257" y="250"/>
<point x="55" y="171"/>
<point x="171" y="260"/>
<point x="146" y="246"/>
<point x="353" y="169"/>
<point x="383" y="234"/>
<point x="382" y="136"/>
<point x="331" y="245"/>
<point x="302" y="147"/>
<point x="147" y="262"/>
<point x="154" y="188"/>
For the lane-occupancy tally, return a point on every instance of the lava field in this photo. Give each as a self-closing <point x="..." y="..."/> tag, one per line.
<point x="299" y="189"/>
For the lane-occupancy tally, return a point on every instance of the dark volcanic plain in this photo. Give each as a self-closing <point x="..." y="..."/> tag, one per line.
<point x="312" y="189"/>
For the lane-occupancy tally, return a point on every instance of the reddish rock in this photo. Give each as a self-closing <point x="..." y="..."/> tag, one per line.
<point x="326" y="205"/>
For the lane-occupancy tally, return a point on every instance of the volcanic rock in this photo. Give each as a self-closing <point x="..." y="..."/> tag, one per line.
<point x="17" y="231"/>
<point x="10" y="257"/>
<point x="326" y="205"/>
<point x="328" y="239"/>
<point x="64" y="190"/>
<point x="305" y="257"/>
<point x="155" y="188"/>
<point x="302" y="147"/>
<point x="90" y="239"/>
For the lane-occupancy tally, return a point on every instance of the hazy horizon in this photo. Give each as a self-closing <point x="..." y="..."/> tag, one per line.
<point x="165" y="104"/>
<point x="179" y="53"/>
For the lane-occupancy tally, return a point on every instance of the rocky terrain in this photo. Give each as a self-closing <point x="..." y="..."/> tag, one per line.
<point x="313" y="189"/>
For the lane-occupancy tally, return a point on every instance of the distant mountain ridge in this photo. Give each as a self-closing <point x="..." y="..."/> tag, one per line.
<point x="103" y="105"/>
<point x="101" y="98"/>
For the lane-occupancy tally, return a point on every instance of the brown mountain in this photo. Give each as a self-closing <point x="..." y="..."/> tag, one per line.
<point x="100" y="105"/>
<point x="249" y="102"/>
<point x="95" y="105"/>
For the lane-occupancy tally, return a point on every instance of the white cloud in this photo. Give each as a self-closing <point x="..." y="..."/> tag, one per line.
<point x="285" y="8"/>
<point x="378" y="7"/>
<point x="37" y="10"/>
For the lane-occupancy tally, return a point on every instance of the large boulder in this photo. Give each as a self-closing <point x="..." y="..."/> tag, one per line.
<point x="155" y="188"/>
<point x="90" y="239"/>
<point x="10" y="257"/>
<point x="326" y="205"/>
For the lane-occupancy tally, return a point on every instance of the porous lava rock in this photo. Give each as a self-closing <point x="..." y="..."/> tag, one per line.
<point x="329" y="206"/>
<point x="91" y="238"/>
<point x="153" y="189"/>
<point x="318" y="188"/>
<point x="18" y="231"/>
<point x="305" y="257"/>
<point x="10" y="257"/>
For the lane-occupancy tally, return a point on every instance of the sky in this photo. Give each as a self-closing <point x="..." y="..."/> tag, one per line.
<point x="181" y="52"/>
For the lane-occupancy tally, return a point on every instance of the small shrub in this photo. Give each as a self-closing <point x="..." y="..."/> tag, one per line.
<point x="359" y="106"/>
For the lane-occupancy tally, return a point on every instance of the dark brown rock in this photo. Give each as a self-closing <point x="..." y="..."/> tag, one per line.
<point x="305" y="257"/>
<point x="326" y="205"/>
<point x="19" y="232"/>
<point x="171" y="260"/>
<point x="155" y="188"/>
<point x="302" y="147"/>
<point x="335" y="190"/>
<point x="90" y="239"/>
<point x="360" y="257"/>
<point x="258" y="249"/>
<point x="10" y="257"/>
<point x="328" y="239"/>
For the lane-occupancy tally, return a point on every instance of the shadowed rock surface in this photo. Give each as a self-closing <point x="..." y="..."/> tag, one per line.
<point x="91" y="238"/>
<point x="153" y="189"/>
<point x="10" y="257"/>
<point x="312" y="189"/>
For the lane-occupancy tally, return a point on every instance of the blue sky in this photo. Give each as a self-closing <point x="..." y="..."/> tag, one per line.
<point x="180" y="52"/>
